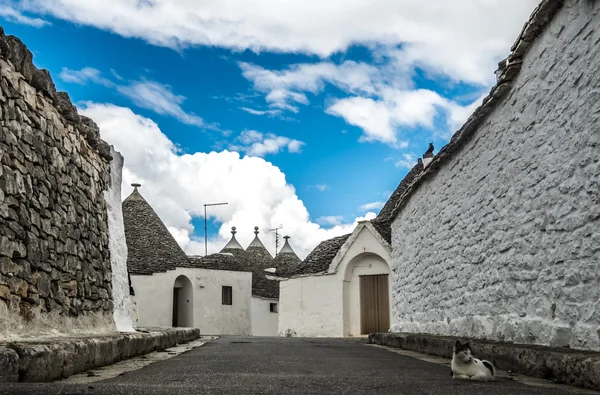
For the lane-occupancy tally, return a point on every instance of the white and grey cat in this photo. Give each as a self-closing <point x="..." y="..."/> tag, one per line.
<point x="465" y="366"/>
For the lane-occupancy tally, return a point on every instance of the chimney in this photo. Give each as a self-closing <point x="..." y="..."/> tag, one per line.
<point x="428" y="156"/>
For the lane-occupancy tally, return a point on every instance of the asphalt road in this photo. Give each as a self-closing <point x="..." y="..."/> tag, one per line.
<point x="234" y="365"/>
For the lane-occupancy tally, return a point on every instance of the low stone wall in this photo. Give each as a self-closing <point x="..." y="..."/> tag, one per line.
<point x="60" y="358"/>
<point x="561" y="365"/>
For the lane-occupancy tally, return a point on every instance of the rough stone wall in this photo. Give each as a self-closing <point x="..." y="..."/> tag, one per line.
<point x="55" y="270"/>
<point x="503" y="242"/>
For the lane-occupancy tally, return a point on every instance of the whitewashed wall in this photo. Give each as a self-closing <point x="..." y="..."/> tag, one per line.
<point x="311" y="306"/>
<point x="123" y="304"/>
<point x="154" y="296"/>
<point x="264" y="322"/>
<point x="504" y="241"/>
<point x="329" y="305"/>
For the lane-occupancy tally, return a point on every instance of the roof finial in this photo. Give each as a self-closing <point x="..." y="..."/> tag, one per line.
<point x="233" y="231"/>
<point x="256" y="230"/>
<point x="286" y="238"/>
<point x="135" y="185"/>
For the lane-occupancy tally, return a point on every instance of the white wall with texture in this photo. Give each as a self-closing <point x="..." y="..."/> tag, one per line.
<point x="503" y="242"/>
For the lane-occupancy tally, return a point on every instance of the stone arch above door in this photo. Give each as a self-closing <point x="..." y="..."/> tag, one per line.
<point x="366" y="294"/>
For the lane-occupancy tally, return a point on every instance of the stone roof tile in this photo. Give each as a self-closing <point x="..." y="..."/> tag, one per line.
<point x="320" y="257"/>
<point x="150" y="246"/>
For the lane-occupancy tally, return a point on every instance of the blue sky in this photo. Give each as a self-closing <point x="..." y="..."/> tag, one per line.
<point x="312" y="119"/>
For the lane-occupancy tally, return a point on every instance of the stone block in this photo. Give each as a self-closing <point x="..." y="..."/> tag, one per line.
<point x="4" y="292"/>
<point x="9" y="365"/>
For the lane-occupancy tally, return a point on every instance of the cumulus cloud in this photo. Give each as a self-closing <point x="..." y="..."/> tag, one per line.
<point x="382" y="118"/>
<point x="460" y="39"/>
<point x="382" y="100"/>
<point x="177" y="185"/>
<point x="144" y="93"/>
<point x="260" y="144"/>
<point x="16" y="16"/>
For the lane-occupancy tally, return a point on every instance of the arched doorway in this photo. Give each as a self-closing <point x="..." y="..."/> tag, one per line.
<point x="366" y="295"/>
<point x="182" y="302"/>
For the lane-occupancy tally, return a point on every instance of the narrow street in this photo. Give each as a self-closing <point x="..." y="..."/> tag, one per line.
<point x="238" y="365"/>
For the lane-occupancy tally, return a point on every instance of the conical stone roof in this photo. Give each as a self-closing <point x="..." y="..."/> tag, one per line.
<point x="257" y="252"/>
<point x="286" y="261"/>
<point x="150" y="246"/>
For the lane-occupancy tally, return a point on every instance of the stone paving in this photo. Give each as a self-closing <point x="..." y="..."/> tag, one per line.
<point x="252" y="365"/>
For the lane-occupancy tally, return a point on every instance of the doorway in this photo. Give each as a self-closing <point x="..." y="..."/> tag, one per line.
<point x="374" y="303"/>
<point x="182" y="303"/>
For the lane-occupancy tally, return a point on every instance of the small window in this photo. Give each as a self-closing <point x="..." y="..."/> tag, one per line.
<point x="273" y="307"/>
<point x="227" y="295"/>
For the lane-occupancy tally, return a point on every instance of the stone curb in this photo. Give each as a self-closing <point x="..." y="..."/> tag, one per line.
<point x="48" y="360"/>
<point x="572" y="367"/>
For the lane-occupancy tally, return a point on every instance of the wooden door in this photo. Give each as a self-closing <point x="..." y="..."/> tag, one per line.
<point x="374" y="304"/>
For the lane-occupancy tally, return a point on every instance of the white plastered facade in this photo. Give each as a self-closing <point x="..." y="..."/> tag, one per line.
<point x="328" y="304"/>
<point x="264" y="321"/>
<point x="154" y="295"/>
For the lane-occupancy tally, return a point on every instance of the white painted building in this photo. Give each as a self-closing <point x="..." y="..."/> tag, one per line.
<point x="342" y="288"/>
<point x="499" y="237"/>
<point x="222" y="294"/>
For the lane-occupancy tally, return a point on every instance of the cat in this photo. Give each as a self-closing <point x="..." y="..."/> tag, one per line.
<point x="465" y="366"/>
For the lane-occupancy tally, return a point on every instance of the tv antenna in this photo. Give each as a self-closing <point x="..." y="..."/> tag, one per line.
<point x="276" y="229"/>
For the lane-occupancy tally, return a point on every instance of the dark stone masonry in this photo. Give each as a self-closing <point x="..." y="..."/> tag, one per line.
<point x="54" y="169"/>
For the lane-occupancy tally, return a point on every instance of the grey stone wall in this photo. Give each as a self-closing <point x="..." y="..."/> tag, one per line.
<point x="55" y="271"/>
<point x="503" y="241"/>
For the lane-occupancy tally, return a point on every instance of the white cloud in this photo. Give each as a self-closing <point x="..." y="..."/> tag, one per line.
<point x="408" y="161"/>
<point x="260" y="112"/>
<point x="460" y="39"/>
<point x="319" y="187"/>
<point x="150" y="95"/>
<point x="83" y="76"/>
<point x="372" y="206"/>
<point x="285" y="89"/>
<point x="383" y="102"/>
<point x="16" y="16"/>
<point x="177" y="185"/>
<point x="330" y="220"/>
<point x="259" y="144"/>
<point x="382" y="119"/>
<point x="160" y="99"/>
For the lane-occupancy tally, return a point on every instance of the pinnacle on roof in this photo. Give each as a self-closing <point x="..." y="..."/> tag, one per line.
<point x="233" y="243"/>
<point x="150" y="246"/>
<point x="256" y="242"/>
<point x="286" y="246"/>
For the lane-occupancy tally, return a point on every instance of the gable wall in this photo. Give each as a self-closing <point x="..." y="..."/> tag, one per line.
<point x="328" y="305"/>
<point x="504" y="241"/>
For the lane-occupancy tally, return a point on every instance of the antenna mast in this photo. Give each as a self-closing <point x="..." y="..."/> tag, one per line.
<point x="276" y="237"/>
